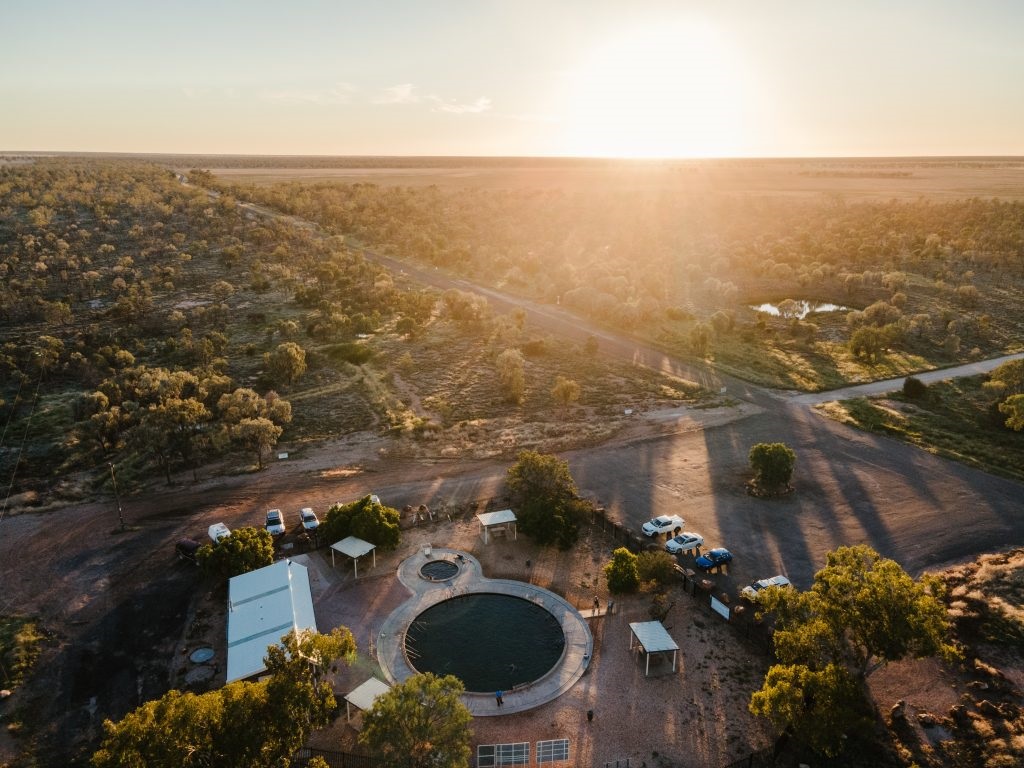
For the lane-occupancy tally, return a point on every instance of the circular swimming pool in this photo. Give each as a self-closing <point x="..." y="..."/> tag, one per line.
<point x="491" y="642"/>
<point x="439" y="570"/>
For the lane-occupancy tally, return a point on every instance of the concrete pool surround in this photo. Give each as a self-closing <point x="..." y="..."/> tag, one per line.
<point x="469" y="579"/>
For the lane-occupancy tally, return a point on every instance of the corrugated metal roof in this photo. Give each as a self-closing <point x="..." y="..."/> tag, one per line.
<point x="263" y="606"/>
<point x="353" y="547"/>
<point x="364" y="695"/>
<point x="500" y="517"/>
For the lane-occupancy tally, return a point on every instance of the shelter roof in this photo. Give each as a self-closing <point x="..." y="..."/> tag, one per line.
<point x="365" y="694"/>
<point x="653" y="636"/>
<point x="353" y="547"/>
<point x="501" y="517"/>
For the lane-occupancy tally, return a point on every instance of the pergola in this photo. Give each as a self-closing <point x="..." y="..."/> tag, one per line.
<point x="652" y="637"/>
<point x="498" y="520"/>
<point x="354" y="548"/>
<point x="363" y="696"/>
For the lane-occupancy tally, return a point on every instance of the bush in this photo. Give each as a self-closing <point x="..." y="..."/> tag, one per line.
<point x="246" y="549"/>
<point x="772" y="464"/>
<point x="657" y="567"/>
<point x="622" y="572"/>
<point x="914" y="388"/>
<point x="548" y="506"/>
<point x="365" y="519"/>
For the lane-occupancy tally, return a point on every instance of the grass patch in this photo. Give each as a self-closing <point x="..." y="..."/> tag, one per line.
<point x="955" y="421"/>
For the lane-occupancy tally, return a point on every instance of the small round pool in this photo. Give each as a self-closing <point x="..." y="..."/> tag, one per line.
<point x="491" y="642"/>
<point x="439" y="570"/>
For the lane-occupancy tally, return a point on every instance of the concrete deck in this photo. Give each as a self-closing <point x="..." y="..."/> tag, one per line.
<point x="579" y="643"/>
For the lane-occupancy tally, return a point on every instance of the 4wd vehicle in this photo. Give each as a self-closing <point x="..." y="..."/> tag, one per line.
<point x="751" y="591"/>
<point x="186" y="549"/>
<point x="663" y="524"/>
<point x="275" y="523"/>
<point x="309" y="519"/>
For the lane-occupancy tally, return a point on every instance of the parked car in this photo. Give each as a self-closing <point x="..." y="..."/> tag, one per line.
<point x="751" y="591"/>
<point x="714" y="558"/>
<point x="663" y="524"/>
<point x="275" y="523"/>
<point x="309" y="519"/>
<point x="186" y="549"/>
<point x="374" y="498"/>
<point x="218" y="531"/>
<point x="684" y="542"/>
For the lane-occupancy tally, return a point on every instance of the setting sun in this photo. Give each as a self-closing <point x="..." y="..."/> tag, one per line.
<point x="666" y="91"/>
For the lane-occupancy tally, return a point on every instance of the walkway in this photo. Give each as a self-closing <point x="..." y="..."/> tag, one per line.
<point x="579" y="643"/>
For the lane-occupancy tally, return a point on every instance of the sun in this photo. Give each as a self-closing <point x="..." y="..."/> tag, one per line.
<point x="671" y="90"/>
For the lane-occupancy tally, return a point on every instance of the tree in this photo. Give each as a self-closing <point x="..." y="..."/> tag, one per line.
<point x="365" y="518"/>
<point x="819" y="707"/>
<point x="565" y="391"/>
<point x="246" y="549"/>
<point x="772" y="464"/>
<point x="868" y="342"/>
<point x="421" y="723"/>
<point x="242" y="725"/>
<point x="862" y="611"/>
<point x="510" y="364"/>
<point x="259" y="435"/>
<point x="287" y="363"/>
<point x="548" y="506"/>
<point x="621" y="572"/>
<point x="1013" y="409"/>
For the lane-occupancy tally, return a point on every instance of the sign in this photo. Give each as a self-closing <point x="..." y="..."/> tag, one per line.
<point x="720" y="608"/>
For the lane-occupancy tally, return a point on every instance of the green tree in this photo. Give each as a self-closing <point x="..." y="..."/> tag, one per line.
<point x="366" y="519"/>
<point x="566" y="391"/>
<point x="421" y="723"/>
<point x="259" y="435"/>
<point x="246" y="549"/>
<point x="622" y="572"/>
<point x="820" y="708"/>
<point x="914" y="388"/>
<point x="286" y="363"/>
<point x="1013" y="409"/>
<point x="868" y="342"/>
<point x="547" y="503"/>
<point x="242" y="725"/>
<point x="510" y="365"/>
<point x="772" y="464"/>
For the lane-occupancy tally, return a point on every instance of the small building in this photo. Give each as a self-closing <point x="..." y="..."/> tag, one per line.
<point x="263" y="606"/>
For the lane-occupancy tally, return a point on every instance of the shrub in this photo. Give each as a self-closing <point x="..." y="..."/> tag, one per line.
<point x="657" y="567"/>
<point x="246" y="549"/>
<point x="914" y="388"/>
<point x="622" y="572"/>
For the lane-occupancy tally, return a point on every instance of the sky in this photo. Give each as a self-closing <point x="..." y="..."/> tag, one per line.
<point x="644" y="78"/>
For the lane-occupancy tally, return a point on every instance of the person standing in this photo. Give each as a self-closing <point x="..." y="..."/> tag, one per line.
<point x="499" y="696"/>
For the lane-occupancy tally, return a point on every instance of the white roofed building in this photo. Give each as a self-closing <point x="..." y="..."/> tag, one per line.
<point x="263" y="606"/>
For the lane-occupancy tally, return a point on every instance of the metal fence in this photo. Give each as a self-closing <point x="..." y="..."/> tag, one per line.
<point x="333" y="758"/>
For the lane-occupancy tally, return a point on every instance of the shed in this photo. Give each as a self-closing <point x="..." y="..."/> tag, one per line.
<point x="364" y="695"/>
<point x="354" y="548"/>
<point x="500" y="520"/>
<point x="652" y="637"/>
<point x="263" y="606"/>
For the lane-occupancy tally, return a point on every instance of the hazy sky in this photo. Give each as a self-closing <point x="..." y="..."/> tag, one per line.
<point x="522" y="77"/>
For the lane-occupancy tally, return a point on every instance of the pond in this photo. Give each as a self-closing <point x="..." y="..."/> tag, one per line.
<point x="798" y="308"/>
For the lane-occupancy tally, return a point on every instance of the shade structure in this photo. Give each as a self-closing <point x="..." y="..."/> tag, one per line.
<point x="355" y="548"/>
<point x="497" y="520"/>
<point x="364" y="695"/>
<point x="263" y="606"/>
<point x="652" y="637"/>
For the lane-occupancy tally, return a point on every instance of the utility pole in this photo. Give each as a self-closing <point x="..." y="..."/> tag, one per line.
<point x="117" y="497"/>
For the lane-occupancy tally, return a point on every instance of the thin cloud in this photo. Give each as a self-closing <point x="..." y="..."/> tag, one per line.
<point x="482" y="104"/>
<point x="403" y="93"/>
<point x="339" y="94"/>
